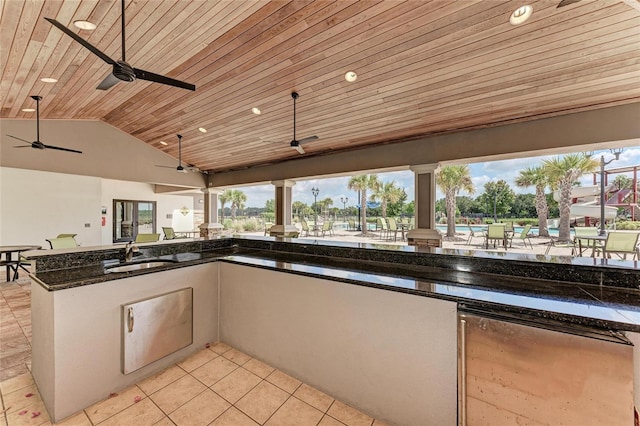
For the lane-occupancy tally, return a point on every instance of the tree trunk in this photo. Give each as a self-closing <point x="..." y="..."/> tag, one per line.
<point x="383" y="207"/>
<point x="564" y="234"/>
<point x="233" y="211"/>
<point x="542" y="210"/>
<point x="450" y="199"/>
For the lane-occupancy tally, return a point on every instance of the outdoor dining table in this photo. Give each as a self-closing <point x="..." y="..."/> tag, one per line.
<point x="403" y="226"/>
<point x="8" y="262"/>
<point x="593" y="238"/>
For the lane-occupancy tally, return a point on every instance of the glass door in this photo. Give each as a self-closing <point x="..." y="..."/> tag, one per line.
<point x="131" y="217"/>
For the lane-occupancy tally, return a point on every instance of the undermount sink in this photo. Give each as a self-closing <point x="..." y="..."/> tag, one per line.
<point x="140" y="265"/>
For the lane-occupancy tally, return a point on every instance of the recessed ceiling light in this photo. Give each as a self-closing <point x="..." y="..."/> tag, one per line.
<point x="28" y="110"/>
<point x="256" y="111"/>
<point x="85" y="25"/>
<point x="521" y="14"/>
<point x="49" y="80"/>
<point x="202" y="129"/>
<point x="351" y="76"/>
<point x="163" y="143"/>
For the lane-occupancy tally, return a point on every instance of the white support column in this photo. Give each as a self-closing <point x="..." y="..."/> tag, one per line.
<point x="283" y="226"/>
<point x="211" y="227"/>
<point x="425" y="232"/>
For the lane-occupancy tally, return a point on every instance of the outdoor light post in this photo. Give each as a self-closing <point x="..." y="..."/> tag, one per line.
<point x="315" y="192"/>
<point x="616" y="152"/>
<point x="344" y="206"/>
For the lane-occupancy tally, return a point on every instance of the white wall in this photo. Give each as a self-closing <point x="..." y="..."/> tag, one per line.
<point x="165" y="205"/>
<point x="37" y="205"/>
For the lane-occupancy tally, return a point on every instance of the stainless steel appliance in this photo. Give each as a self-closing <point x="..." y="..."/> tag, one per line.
<point x="156" y="327"/>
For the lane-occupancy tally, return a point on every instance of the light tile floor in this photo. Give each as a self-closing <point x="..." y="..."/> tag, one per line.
<point x="217" y="386"/>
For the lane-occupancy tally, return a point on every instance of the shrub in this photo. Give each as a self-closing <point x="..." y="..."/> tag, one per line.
<point x="252" y="225"/>
<point x="227" y="223"/>
<point x="628" y="226"/>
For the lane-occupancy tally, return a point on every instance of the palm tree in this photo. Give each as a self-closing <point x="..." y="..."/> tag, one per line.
<point x="362" y="183"/>
<point x="562" y="173"/>
<point x="224" y="198"/>
<point x="450" y="180"/>
<point x="237" y="198"/>
<point x="535" y="176"/>
<point x="298" y="207"/>
<point x="387" y="193"/>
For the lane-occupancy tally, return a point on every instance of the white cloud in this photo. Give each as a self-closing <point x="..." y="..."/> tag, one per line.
<point x="481" y="173"/>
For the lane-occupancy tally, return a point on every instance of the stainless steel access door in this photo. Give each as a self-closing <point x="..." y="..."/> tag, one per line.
<point x="156" y="327"/>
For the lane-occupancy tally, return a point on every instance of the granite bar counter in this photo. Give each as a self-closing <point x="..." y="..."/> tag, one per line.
<point x="601" y="293"/>
<point x="291" y="302"/>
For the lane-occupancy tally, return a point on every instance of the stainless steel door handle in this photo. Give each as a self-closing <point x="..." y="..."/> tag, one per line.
<point x="130" y="320"/>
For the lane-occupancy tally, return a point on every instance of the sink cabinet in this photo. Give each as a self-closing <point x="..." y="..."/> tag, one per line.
<point x="77" y="334"/>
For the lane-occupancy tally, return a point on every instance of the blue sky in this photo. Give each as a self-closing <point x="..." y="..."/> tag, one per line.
<point x="481" y="173"/>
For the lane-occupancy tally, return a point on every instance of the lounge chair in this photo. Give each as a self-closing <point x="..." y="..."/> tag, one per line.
<point x="495" y="233"/>
<point x="524" y="236"/>
<point x="169" y="233"/>
<point x="473" y="234"/>
<point x="622" y="244"/>
<point x="584" y="244"/>
<point x="66" y="235"/>
<point x="147" y="238"/>
<point x="267" y="227"/>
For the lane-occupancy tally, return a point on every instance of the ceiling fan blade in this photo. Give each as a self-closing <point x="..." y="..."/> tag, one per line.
<point x="82" y="41"/>
<point x="157" y="78"/>
<point x="298" y="148"/>
<point x="20" y="139"/>
<point x="166" y="167"/>
<point x="308" y="139"/>
<point x="23" y="146"/>
<point x="566" y="2"/>
<point x="62" y="149"/>
<point x="108" y="82"/>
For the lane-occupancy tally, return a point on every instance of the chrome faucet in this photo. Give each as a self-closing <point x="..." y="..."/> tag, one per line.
<point x="129" y="249"/>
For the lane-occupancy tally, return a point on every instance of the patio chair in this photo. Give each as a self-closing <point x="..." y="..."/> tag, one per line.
<point x="583" y="245"/>
<point x="393" y="227"/>
<point x="326" y="228"/>
<point x="66" y="235"/>
<point x="524" y="236"/>
<point x="382" y="226"/>
<point x="60" y="243"/>
<point x="496" y="233"/>
<point x="305" y="227"/>
<point x="267" y="227"/>
<point x="473" y="234"/>
<point x="622" y="244"/>
<point x="147" y="238"/>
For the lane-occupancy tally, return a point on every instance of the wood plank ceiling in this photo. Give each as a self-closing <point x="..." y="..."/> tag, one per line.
<point x="423" y="67"/>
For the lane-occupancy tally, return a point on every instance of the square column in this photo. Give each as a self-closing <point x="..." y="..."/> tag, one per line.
<point x="211" y="227"/>
<point x="425" y="232"/>
<point x="283" y="226"/>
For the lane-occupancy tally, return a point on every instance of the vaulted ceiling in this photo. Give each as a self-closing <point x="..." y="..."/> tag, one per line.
<point x="423" y="67"/>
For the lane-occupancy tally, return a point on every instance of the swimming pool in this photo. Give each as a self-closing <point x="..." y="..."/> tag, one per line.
<point x="517" y="229"/>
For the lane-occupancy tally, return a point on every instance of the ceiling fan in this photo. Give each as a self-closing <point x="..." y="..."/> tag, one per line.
<point x="296" y="144"/>
<point x="122" y="71"/>
<point x="181" y="168"/>
<point x="37" y="144"/>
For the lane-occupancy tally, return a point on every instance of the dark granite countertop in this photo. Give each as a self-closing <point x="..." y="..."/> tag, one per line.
<point x="521" y="293"/>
